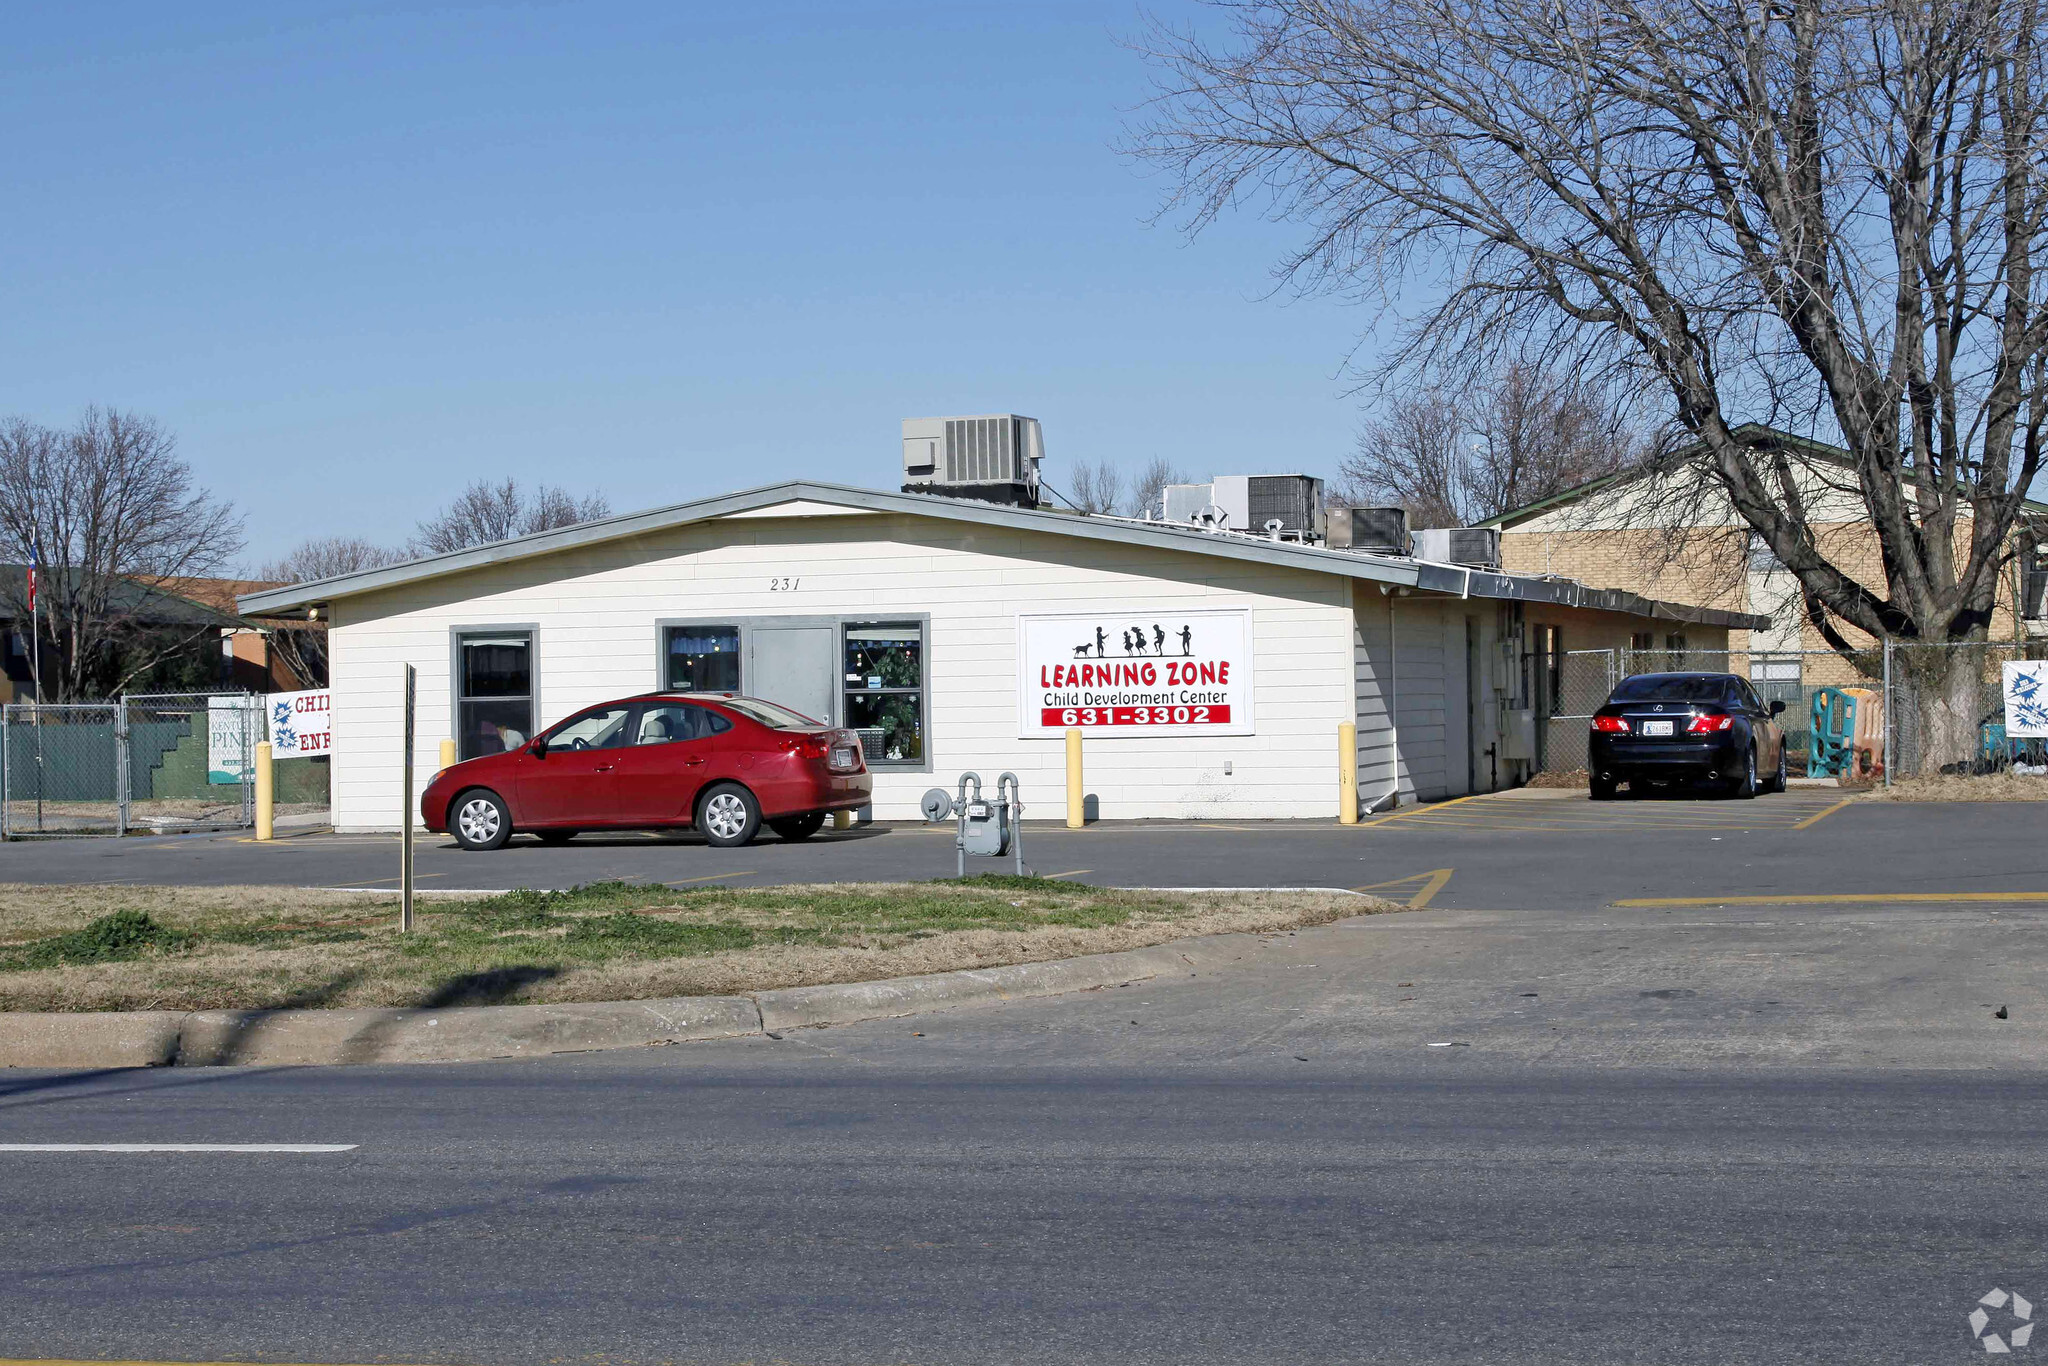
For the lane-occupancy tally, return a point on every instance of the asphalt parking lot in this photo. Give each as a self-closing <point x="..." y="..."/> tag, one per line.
<point x="1505" y="851"/>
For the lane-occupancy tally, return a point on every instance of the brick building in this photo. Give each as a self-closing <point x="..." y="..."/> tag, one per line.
<point x="1673" y="535"/>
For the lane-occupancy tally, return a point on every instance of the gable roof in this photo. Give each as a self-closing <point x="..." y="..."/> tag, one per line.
<point x="1387" y="569"/>
<point x="1753" y="433"/>
<point x="147" y="604"/>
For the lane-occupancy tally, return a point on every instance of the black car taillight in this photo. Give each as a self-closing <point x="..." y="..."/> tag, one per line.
<point x="1707" y="725"/>
<point x="1610" y="725"/>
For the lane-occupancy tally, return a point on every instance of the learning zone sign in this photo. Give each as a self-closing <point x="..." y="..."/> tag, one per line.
<point x="1131" y="674"/>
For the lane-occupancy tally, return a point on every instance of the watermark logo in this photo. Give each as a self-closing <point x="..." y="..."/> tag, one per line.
<point x="2014" y="1327"/>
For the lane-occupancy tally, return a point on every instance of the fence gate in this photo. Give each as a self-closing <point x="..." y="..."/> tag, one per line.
<point x="140" y="764"/>
<point x="191" y="760"/>
<point x="1584" y="678"/>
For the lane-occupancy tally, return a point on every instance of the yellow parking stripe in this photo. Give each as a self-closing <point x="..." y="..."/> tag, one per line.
<point x="1424" y="810"/>
<point x="1432" y="882"/>
<point x="1835" y="899"/>
<point x="1820" y="816"/>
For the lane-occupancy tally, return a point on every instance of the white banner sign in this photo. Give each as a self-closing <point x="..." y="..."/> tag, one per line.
<point x="1183" y="673"/>
<point x="301" y="723"/>
<point x="233" y="726"/>
<point x="2026" y="700"/>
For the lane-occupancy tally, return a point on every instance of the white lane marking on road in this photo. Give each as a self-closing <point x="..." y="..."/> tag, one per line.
<point x="177" y="1147"/>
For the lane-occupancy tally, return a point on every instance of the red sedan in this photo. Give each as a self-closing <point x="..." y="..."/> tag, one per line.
<point x="722" y="763"/>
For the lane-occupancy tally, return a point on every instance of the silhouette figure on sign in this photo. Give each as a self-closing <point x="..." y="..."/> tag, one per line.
<point x="1127" y="642"/>
<point x="1081" y="650"/>
<point x="1138" y="633"/>
<point x="1158" y="640"/>
<point x="1186" y="636"/>
<point x="1101" y="640"/>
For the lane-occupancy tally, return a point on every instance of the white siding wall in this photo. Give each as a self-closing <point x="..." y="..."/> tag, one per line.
<point x="1425" y="671"/>
<point x="595" y="609"/>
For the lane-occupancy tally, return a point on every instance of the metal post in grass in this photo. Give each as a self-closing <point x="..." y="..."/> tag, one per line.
<point x="405" y="817"/>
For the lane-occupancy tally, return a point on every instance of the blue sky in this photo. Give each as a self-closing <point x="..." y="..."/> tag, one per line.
<point x="357" y="255"/>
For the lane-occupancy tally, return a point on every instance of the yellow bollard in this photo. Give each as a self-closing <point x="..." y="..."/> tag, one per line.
<point x="1347" y="773"/>
<point x="842" y="820"/>
<point x="1076" y="801"/>
<point x="447" y="754"/>
<point x="266" y="791"/>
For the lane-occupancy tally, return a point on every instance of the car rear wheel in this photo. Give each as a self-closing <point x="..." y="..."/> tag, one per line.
<point x="1781" y="780"/>
<point x="799" y="827"/>
<point x="1743" y="786"/>
<point x="729" y="815"/>
<point x="1603" y="789"/>
<point x="480" y="820"/>
<point x="556" y="836"/>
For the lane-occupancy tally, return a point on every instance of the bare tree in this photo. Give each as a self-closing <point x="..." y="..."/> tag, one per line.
<point x="486" y="512"/>
<point x="1776" y="210"/>
<point x="1456" y="458"/>
<point x="1151" y="481"/>
<point x="1098" y="488"/>
<point x="102" y="506"/>
<point x="303" y="646"/>
<point x="325" y="557"/>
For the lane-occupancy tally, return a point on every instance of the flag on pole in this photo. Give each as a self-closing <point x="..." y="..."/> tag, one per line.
<point x="31" y="579"/>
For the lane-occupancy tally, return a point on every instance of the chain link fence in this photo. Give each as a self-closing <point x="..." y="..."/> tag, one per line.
<point x="59" y="769"/>
<point x="1947" y="710"/>
<point x="1923" y="709"/>
<point x="153" y="764"/>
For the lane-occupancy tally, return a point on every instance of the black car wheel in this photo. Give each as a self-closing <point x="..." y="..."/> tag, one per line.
<point x="1781" y="781"/>
<point x="1603" y="789"/>
<point x="729" y="815"/>
<point x="799" y="827"/>
<point x="480" y="820"/>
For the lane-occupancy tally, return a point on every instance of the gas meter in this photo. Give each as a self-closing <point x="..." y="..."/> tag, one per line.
<point x="986" y="829"/>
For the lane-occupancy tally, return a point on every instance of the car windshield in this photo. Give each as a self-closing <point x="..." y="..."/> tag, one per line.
<point x="1672" y="688"/>
<point x="769" y="714"/>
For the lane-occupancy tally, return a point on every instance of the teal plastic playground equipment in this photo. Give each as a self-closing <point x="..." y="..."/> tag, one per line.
<point x="1831" y="736"/>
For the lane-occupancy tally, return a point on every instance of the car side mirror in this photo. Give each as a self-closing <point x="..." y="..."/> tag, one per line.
<point x="539" y="748"/>
<point x="1777" y="707"/>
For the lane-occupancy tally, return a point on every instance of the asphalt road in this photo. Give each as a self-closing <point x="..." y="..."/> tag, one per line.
<point x="1649" y="1135"/>
<point x="1518" y="851"/>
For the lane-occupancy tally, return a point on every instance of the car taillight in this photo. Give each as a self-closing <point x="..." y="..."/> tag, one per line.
<point x="809" y="746"/>
<point x="1707" y="725"/>
<point x="1610" y="725"/>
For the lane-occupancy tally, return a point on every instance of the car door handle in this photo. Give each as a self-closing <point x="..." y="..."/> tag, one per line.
<point x="693" y="763"/>
<point x="604" y="768"/>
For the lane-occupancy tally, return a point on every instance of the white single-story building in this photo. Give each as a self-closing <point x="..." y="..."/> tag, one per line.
<point x="1209" y="671"/>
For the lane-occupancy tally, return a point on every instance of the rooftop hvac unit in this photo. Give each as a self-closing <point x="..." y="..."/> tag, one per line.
<point x="992" y="458"/>
<point x="1186" y="502"/>
<point x="1476" y="546"/>
<point x="1252" y="502"/>
<point x="1376" y="531"/>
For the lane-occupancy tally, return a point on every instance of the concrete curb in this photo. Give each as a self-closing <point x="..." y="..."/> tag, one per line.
<point x="218" y="1038"/>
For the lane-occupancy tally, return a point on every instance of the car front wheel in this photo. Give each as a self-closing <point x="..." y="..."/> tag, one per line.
<point x="729" y="816"/>
<point x="480" y="820"/>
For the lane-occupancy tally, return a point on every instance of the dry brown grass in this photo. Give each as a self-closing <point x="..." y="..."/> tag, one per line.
<point x="1956" y="787"/>
<point x="272" y="947"/>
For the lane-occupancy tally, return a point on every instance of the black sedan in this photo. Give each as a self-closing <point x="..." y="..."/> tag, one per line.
<point x="1683" y="728"/>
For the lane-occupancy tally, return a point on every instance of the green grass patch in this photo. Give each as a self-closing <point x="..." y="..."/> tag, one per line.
<point x="115" y="938"/>
<point x="195" y="948"/>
